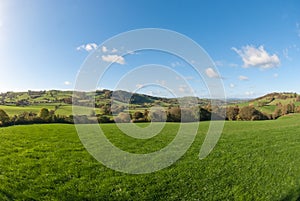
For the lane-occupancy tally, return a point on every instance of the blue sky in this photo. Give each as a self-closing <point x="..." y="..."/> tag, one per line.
<point x="254" y="44"/>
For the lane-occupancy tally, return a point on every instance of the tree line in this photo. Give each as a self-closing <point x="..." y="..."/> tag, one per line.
<point x="171" y="114"/>
<point x="44" y="116"/>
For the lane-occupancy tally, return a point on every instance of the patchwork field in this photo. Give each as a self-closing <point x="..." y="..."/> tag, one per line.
<point x="257" y="160"/>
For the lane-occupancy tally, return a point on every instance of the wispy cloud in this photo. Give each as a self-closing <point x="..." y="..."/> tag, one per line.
<point x="185" y="89"/>
<point x="161" y="82"/>
<point x="189" y="78"/>
<point x="285" y="53"/>
<point x="104" y="49"/>
<point x="225" y="63"/>
<point x="114" y="50"/>
<point x="233" y="65"/>
<point x="87" y="47"/>
<point x="67" y="83"/>
<point x="257" y="57"/>
<point x="249" y="93"/>
<point x="219" y="63"/>
<point x="139" y="86"/>
<point x="298" y="28"/>
<point x="211" y="73"/>
<point x="113" y="58"/>
<point x="231" y="85"/>
<point x="243" y="78"/>
<point x="176" y="63"/>
<point x="275" y="75"/>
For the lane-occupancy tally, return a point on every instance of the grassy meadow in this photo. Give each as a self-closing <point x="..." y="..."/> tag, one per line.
<point x="253" y="160"/>
<point x="64" y="109"/>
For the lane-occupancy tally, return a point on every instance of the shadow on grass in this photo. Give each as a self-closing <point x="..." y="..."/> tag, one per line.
<point x="5" y="195"/>
<point x="293" y="195"/>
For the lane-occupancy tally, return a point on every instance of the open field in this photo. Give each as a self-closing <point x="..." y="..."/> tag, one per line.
<point x="64" y="109"/>
<point x="257" y="160"/>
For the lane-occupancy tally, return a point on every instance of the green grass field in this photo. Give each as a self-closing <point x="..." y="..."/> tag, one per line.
<point x="64" y="109"/>
<point x="252" y="161"/>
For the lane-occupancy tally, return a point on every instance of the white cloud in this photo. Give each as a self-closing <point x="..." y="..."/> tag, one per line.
<point x="161" y="82"/>
<point x="139" y="85"/>
<point x="211" y="73"/>
<point x="232" y="85"/>
<point x="249" y="93"/>
<point x="104" y="49"/>
<point x="175" y="64"/>
<point x="243" y="78"/>
<point x="275" y="75"/>
<point x="184" y="89"/>
<point x="257" y="57"/>
<point x="67" y="83"/>
<point x="113" y="58"/>
<point x="88" y="47"/>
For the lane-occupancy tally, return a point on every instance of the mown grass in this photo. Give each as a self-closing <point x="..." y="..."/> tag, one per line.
<point x="252" y="161"/>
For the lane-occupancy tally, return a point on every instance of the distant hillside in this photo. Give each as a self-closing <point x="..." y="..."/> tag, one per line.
<point x="102" y="97"/>
<point x="31" y="107"/>
<point x="269" y="102"/>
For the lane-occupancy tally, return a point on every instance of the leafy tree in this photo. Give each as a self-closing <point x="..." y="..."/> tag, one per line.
<point x="106" y="110"/>
<point x="277" y="112"/>
<point x="4" y="118"/>
<point x="205" y="115"/>
<point x="232" y="113"/>
<point x="116" y="109"/>
<point x="189" y="114"/>
<point x="174" y="114"/>
<point x="146" y="115"/>
<point x="297" y="109"/>
<point x="44" y="114"/>
<point x="138" y="115"/>
<point x="107" y="94"/>
<point x="103" y="119"/>
<point x="246" y="113"/>
<point x="158" y="116"/>
<point x="123" y="118"/>
<point x="250" y="113"/>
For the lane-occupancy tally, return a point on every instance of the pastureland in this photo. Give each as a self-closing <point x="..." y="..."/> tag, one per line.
<point x="253" y="160"/>
<point x="63" y="109"/>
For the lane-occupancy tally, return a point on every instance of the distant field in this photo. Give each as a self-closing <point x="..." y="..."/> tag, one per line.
<point x="63" y="110"/>
<point x="252" y="161"/>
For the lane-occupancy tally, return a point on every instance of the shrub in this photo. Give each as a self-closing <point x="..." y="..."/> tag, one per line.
<point x="123" y="118"/>
<point x="250" y="113"/>
<point x="158" y="116"/>
<point x="232" y="112"/>
<point x="4" y="118"/>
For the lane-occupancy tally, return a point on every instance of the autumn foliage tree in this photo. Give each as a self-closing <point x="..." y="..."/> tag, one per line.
<point x="250" y="113"/>
<point x="232" y="113"/>
<point x="4" y="118"/>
